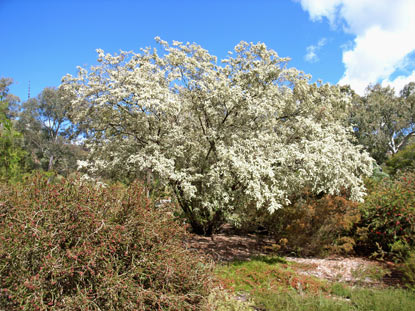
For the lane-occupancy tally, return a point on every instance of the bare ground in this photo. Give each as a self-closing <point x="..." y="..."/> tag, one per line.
<point x="353" y="270"/>
<point x="228" y="247"/>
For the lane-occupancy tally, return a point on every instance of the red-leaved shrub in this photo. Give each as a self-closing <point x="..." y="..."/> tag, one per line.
<point x="71" y="246"/>
<point x="318" y="226"/>
<point x="311" y="226"/>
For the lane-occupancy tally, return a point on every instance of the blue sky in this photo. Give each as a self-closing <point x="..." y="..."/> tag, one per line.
<point x="354" y="42"/>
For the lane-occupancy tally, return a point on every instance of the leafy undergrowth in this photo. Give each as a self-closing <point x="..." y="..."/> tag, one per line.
<point x="272" y="283"/>
<point x="74" y="246"/>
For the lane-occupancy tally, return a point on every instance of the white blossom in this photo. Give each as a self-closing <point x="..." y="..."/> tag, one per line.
<point x="246" y="130"/>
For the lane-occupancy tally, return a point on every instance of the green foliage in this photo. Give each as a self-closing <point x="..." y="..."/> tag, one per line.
<point x="275" y="285"/>
<point x="267" y="273"/>
<point x="360" y="299"/>
<point x="408" y="270"/>
<point x="401" y="161"/>
<point x="378" y="173"/>
<point x="11" y="100"/>
<point x="383" y="122"/>
<point x="48" y="132"/>
<point x="387" y="227"/>
<point x="73" y="246"/>
<point x="12" y="157"/>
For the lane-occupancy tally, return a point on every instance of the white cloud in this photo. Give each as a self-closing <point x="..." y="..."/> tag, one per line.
<point x="384" y="33"/>
<point x="399" y="82"/>
<point x="312" y="50"/>
<point x="320" y="8"/>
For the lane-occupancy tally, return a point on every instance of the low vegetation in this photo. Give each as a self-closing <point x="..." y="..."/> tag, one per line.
<point x="73" y="246"/>
<point x="271" y="283"/>
<point x="404" y="160"/>
<point x="310" y="226"/>
<point x="387" y="227"/>
<point x="67" y="244"/>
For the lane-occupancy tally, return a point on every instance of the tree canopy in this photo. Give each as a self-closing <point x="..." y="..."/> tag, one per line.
<point x="384" y="122"/>
<point x="47" y="131"/>
<point x="246" y="130"/>
<point x="5" y="96"/>
<point x="12" y="156"/>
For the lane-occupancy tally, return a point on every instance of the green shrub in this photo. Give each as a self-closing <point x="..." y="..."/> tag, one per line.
<point x="387" y="227"/>
<point x="404" y="160"/>
<point x="378" y="173"/>
<point x="408" y="270"/>
<point x="72" y="246"/>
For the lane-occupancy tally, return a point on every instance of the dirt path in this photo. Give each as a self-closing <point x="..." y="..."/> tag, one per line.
<point x="226" y="247"/>
<point x="349" y="270"/>
<point x="353" y="270"/>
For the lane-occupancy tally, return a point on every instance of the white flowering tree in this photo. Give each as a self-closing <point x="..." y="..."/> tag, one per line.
<point x="246" y="130"/>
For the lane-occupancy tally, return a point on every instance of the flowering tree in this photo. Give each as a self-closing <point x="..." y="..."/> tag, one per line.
<point x="247" y="131"/>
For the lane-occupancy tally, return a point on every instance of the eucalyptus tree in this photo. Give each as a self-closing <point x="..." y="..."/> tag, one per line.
<point x="248" y="130"/>
<point x="12" y="156"/>
<point x="384" y="123"/>
<point x="47" y="130"/>
<point x="12" y="100"/>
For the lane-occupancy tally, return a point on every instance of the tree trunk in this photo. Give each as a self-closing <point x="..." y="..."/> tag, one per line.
<point x="202" y="221"/>
<point x="50" y="165"/>
<point x="201" y="229"/>
<point x="205" y="223"/>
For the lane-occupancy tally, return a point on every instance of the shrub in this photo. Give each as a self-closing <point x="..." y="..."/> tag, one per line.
<point x="320" y="226"/>
<point x="73" y="246"/>
<point x="312" y="225"/>
<point x="387" y="227"/>
<point x="408" y="270"/>
<point x="404" y="160"/>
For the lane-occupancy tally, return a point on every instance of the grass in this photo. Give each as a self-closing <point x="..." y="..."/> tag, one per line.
<point x="273" y="284"/>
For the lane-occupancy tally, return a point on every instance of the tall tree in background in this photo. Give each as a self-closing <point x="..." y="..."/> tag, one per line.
<point x="12" y="156"/>
<point x="384" y="122"/>
<point x="47" y="130"/>
<point x="12" y="108"/>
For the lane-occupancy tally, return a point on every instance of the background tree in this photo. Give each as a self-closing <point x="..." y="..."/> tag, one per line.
<point x="248" y="132"/>
<point x="384" y="122"/>
<point x="12" y="101"/>
<point x="12" y="157"/>
<point x="47" y="130"/>
<point x="408" y="92"/>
